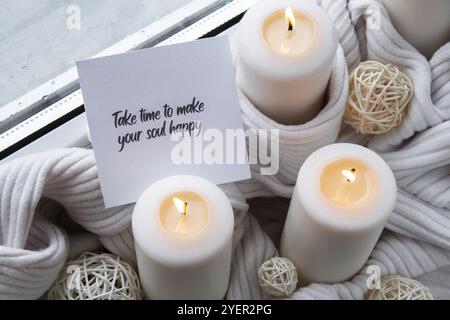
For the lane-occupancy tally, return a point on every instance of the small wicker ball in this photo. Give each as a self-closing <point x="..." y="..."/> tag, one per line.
<point x="96" y="277"/>
<point x="395" y="287"/>
<point x="379" y="96"/>
<point x="278" y="277"/>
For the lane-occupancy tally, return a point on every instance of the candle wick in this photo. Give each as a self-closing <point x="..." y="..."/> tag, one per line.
<point x="290" y="27"/>
<point x="184" y="213"/>
<point x="353" y="170"/>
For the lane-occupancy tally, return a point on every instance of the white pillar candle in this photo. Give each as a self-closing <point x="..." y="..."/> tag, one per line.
<point x="342" y="200"/>
<point x="183" y="228"/>
<point x="425" y="24"/>
<point x="285" y="54"/>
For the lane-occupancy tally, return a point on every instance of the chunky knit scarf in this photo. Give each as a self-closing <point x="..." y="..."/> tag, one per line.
<point x="33" y="248"/>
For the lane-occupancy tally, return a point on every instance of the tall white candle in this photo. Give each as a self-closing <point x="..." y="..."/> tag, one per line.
<point x="342" y="200"/>
<point x="285" y="54"/>
<point x="425" y="24"/>
<point x="183" y="227"/>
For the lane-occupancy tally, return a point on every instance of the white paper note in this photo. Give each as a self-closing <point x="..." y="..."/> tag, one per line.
<point x="135" y="100"/>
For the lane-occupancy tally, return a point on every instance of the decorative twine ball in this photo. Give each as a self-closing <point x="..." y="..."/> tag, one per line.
<point x="378" y="99"/>
<point x="395" y="287"/>
<point x="278" y="277"/>
<point x="96" y="277"/>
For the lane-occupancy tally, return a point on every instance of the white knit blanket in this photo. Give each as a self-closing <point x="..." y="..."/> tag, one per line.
<point x="417" y="240"/>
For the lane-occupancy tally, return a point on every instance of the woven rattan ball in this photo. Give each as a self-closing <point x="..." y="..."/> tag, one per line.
<point x="278" y="277"/>
<point x="395" y="287"/>
<point x="96" y="277"/>
<point x="379" y="96"/>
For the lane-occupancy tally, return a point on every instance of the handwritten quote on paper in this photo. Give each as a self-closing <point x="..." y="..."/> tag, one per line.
<point x="168" y="117"/>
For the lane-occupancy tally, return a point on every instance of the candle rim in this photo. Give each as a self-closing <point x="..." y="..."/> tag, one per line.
<point x="296" y="12"/>
<point x="250" y="27"/>
<point x="381" y="207"/>
<point x="367" y="199"/>
<point x="172" y="194"/>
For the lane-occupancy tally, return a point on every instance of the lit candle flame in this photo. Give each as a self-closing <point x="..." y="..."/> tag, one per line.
<point x="181" y="206"/>
<point x="290" y="19"/>
<point x="349" y="174"/>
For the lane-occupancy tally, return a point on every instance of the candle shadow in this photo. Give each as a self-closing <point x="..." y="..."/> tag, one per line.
<point x="270" y="214"/>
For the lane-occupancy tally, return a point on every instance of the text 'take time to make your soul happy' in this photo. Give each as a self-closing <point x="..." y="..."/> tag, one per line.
<point x="125" y="118"/>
